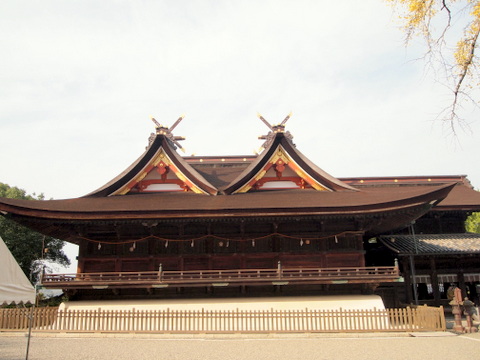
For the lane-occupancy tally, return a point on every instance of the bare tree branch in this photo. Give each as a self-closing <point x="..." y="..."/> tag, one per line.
<point x="457" y="70"/>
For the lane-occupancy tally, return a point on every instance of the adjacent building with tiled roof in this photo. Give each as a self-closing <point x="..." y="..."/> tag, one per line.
<point x="433" y="244"/>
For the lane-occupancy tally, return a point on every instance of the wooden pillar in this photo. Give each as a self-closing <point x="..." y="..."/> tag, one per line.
<point x="152" y="246"/>
<point x="118" y="265"/>
<point x="396" y="300"/>
<point x="276" y="241"/>
<point x="80" y="265"/>
<point x="358" y="238"/>
<point x="408" y="281"/>
<point x="461" y="282"/>
<point x="209" y="242"/>
<point x="181" y="249"/>
<point x="119" y="249"/>
<point x="152" y="249"/>
<point x="241" y="247"/>
<point x="83" y="248"/>
<point x="210" y="248"/>
<point x="82" y="252"/>
<point x="434" y="279"/>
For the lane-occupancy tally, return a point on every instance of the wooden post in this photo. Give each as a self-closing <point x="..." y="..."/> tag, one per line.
<point x="413" y="278"/>
<point x="30" y="325"/>
<point x="461" y="282"/>
<point x="434" y="279"/>
<point x="408" y="282"/>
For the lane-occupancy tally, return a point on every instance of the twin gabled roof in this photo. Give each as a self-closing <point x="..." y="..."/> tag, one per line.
<point x="280" y="166"/>
<point x="161" y="184"/>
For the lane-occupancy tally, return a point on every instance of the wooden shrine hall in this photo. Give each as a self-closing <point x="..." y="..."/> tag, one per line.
<point x="274" y="223"/>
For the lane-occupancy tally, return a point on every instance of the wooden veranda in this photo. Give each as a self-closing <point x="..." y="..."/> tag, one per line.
<point x="222" y="278"/>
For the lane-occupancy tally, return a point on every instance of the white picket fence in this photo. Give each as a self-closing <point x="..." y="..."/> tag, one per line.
<point x="229" y="321"/>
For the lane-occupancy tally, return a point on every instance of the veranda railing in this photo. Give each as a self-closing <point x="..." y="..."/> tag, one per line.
<point x="231" y="321"/>
<point x="227" y="277"/>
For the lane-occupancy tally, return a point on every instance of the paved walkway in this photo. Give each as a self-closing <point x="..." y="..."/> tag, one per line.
<point x="402" y="346"/>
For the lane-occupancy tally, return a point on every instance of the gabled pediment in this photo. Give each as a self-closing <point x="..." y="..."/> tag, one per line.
<point x="282" y="166"/>
<point x="161" y="174"/>
<point x="281" y="172"/>
<point x="159" y="169"/>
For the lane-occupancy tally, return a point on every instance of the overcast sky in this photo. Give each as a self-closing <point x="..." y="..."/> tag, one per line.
<point x="79" y="79"/>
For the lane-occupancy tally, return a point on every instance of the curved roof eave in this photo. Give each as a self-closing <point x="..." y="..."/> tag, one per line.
<point x="300" y="202"/>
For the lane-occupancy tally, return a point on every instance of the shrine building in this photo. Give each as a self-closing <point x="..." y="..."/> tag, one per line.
<point x="273" y="224"/>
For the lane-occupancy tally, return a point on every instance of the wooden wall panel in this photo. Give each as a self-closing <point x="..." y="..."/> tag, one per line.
<point x="344" y="260"/>
<point x="260" y="261"/>
<point x="302" y="260"/>
<point x="98" y="265"/>
<point x="196" y="262"/>
<point x="169" y="263"/>
<point x="226" y="262"/>
<point x="135" y="265"/>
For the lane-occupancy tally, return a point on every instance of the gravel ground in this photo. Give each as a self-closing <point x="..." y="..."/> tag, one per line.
<point x="249" y="347"/>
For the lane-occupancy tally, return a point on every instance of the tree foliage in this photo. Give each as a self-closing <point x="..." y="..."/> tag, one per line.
<point x="450" y="29"/>
<point x="31" y="249"/>
<point x="473" y="223"/>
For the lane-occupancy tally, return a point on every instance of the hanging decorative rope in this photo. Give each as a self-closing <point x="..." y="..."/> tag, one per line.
<point x="304" y="239"/>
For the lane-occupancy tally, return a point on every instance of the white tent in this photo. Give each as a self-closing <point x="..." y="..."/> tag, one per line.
<point x="14" y="285"/>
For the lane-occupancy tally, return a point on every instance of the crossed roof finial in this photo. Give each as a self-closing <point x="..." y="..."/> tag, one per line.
<point x="167" y="132"/>
<point x="274" y="129"/>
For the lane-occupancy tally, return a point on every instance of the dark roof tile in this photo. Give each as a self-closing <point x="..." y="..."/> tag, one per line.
<point x="432" y="243"/>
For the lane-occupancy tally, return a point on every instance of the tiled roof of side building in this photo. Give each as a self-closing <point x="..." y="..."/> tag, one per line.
<point x="432" y="244"/>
